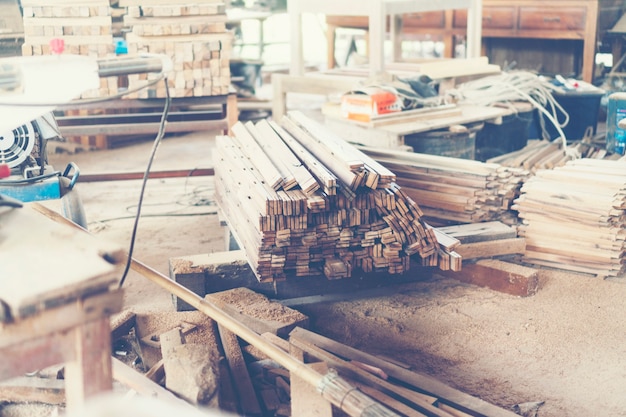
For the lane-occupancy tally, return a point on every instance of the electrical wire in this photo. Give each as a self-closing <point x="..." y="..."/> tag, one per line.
<point x="155" y="146"/>
<point x="509" y="87"/>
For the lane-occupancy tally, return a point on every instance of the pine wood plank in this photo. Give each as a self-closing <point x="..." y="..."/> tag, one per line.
<point x="260" y="160"/>
<point x="248" y="399"/>
<point x="492" y="248"/>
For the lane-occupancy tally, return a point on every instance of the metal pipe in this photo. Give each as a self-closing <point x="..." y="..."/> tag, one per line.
<point x="129" y="65"/>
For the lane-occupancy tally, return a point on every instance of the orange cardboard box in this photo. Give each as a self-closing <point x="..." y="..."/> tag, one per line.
<point x="365" y="104"/>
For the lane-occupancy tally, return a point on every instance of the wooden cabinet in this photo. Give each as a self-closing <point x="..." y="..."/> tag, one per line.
<point x="577" y="20"/>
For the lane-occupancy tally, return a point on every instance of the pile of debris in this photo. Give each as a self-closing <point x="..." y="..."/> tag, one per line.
<point x="192" y="362"/>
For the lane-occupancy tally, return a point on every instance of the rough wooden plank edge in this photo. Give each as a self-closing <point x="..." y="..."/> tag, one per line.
<point x="499" y="276"/>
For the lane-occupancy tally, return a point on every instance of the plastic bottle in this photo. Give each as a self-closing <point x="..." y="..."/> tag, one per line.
<point x="616" y="111"/>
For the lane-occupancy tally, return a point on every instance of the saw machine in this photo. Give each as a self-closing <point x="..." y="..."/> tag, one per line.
<point x="25" y="175"/>
<point x="23" y="150"/>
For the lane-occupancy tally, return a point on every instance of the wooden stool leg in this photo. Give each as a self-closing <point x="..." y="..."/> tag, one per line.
<point x="90" y="373"/>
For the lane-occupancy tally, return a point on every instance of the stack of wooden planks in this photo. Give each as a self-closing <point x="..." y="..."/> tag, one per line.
<point x="451" y="190"/>
<point x="574" y="216"/>
<point x="543" y="154"/>
<point x="303" y="202"/>
<point x="192" y="34"/>
<point x="83" y="25"/>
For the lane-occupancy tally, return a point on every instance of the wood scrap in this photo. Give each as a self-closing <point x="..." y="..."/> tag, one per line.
<point x="246" y="394"/>
<point x="144" y="386"/>
<point x="358" y="219"/>
<point x="258" y="312"/>
<point x="502" y="276"/>
<point x="33" y="389"/>
<point x="443" y="393"/>
<point x="191" y="369"/>
<point x="585" y="197"/>
<point x="416" y="400"/>
<point x="543" y="154"/>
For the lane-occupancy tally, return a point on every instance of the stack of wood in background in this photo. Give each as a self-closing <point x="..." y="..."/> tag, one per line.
<point x="543" y="154"/>
<point x="451" y="190"/>
<point x="573" y="217"/>
<point x="303" y="202"/>
<point x="83" y="25"/>
<point x="193" y="34"/>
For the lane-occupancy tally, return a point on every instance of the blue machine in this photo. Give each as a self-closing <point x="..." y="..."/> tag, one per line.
<point x="23" y="149"/>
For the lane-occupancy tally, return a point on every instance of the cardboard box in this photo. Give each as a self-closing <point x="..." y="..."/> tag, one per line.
<point x="365" y="104"/>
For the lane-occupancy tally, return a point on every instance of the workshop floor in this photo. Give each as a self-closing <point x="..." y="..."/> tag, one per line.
<point x="563" y="346"/>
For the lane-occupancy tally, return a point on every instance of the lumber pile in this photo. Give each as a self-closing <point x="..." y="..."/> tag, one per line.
<point x="302" y="202"/>
<point x="83" y="25"/>
<point x="452" y="190"/>
<point x="544" y="154"/>
<point x="574" y="216"/>
<point x="192" y="34"/>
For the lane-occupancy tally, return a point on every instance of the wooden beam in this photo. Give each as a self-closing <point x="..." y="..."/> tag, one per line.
<point x="500" y="276"/>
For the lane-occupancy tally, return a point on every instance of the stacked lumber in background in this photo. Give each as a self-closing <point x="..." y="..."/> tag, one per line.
<point x="83" y="25"/>
<point x="452" y="190"/>
<point x="543" y="154"/>
<point x="192" y="34"/>
<point x="574" y="217"/>
<point x="302" y="202"/>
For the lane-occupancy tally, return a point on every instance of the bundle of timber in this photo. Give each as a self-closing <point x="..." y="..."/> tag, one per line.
<point x="192" y="34"/>
<point x="302" y="202"/>
<point x="574" y="217"/>
<point x="452" y="190"/>
<point x="84" y="26"/>
<point x="544" y="154"/>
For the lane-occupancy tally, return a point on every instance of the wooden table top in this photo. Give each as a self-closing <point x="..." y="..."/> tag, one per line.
<point x="45" y="264"/>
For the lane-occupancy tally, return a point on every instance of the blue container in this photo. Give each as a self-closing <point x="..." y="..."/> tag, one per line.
<point x="615" y="135"/>
<point x="583" y="107"/>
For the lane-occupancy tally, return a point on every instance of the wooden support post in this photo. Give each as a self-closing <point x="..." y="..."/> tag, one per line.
<point x="90" y="372"/>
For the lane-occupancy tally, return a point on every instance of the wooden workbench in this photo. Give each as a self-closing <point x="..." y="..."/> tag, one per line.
<point x="391" y="135"/>
<point x="56" y="296"/>
<point x="340" y="81"/>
